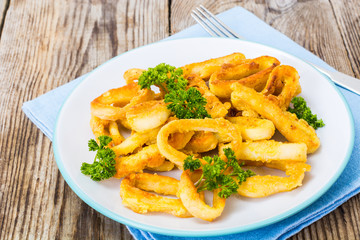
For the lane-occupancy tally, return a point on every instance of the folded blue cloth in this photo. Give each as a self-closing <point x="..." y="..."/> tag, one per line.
<point x="44" y="109"/>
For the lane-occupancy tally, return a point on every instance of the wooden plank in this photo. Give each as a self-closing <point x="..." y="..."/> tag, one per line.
<point x="329" y="29"/>
<point x="347" y="14"/>
<point x="316" y="30"/>
<point x="3" y="9"/>
<point x="44" y="44"/>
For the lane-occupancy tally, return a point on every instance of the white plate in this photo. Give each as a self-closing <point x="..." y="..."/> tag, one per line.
<point x="241" y="214"/>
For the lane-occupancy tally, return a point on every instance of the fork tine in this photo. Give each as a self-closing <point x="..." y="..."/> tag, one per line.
<point x="219" y="22"/>
<point x="214" y="23"/>
<point x="202" y="21"/>
<point x="205" y="27"/>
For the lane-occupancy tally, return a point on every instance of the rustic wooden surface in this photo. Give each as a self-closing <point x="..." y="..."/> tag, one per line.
<point x="46" y="43"/>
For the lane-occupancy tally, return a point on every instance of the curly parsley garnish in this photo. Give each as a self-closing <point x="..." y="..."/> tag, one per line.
<point x="187" y="104"/>
<point x="103" y="166"/>
<point x="302" y="111"/>
<point x="219" y="174"/>
<point x="184" y="103"/>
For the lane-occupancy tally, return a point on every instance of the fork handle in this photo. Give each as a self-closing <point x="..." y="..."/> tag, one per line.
<point x="346" y="81"/>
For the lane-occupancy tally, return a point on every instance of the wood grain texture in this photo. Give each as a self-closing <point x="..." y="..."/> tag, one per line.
<point x="46" y="43"/>
<point x="347" y="15"/>
<point x="3" y="9"/>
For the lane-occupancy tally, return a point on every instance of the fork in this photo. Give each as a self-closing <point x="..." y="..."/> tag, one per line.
<point x="216" y="28"/>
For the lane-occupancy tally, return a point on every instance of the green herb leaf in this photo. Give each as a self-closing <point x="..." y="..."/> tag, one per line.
<point x="187" y="104"/>
<point x="103" y="166"/>
<point x="219" y="174"/>
<point x="192" y="164"/>
<point x="184" y="103"/>
<point x="156" y="76"/>
<point x="93" y="146"/>
<point x="302" y="111"/>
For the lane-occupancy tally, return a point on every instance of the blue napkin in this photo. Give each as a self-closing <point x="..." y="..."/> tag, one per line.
<point x="44" y="109"/>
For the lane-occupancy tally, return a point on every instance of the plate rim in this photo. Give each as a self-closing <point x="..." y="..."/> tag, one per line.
<point x="181" y="233"/>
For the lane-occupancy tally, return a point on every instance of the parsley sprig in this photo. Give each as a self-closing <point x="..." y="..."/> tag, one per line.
<point x="217" y="173"/>
<point x="165" y="76"/>
<point x="184" y="103"/>
<point x="103" y="166"/>
<point x="302" y="111"/>
<point x="187" y="104"/>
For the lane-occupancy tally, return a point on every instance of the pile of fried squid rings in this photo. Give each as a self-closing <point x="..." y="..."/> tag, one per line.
<point x="247" y="100"/>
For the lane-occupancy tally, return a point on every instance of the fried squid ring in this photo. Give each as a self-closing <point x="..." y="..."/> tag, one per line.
<point x="115" y="134"/>
<point x="262" y="186"/>
<point x="293" y="129"/>
<point x="225" y="132"/>
<point x="252" y="73"/>
<point x="133" y="196"/>
<point x="253" y="128"/>
<point x="101" y="127"/>
<point x="202" y="142"/>
<point x="283" y="84"/>
<point x="135" y="141"/>
<point x="102" y="106"/>
<point x="149" y="156"/>
<point x="165" y="167"/>
<point x="132" y="74"/>
<point x="178" y="140"/>
<point x="147" y="115"/>
<point x="113" y="104"/>
<point x="213" y="106"/>
<point x="270" y="150"/>
<point x="206" y="68"/>
<point x="195" y="204"/>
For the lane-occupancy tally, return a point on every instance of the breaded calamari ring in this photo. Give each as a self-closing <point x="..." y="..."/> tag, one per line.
<point x="206" y="68"/>
<point x="148" y="156"/>
<point x="115" y="134"/>
<point x="142" y="202"/>
<point x="213" y="105"/>
<point x="132" y="74"/>
<point x="147" y="115"/>
<point x="178" y="140"/>
<point x="99" y="126"/>
<point x="293" y="129"/>
<point x="225" y="132"/>
<point x="283" y="84"/>
<point x="102" y="127"/>
<point x="270" y="150"/>
<point x="195" y="204"/>
<point x="253" y="128"/>
<point x="165" y="167"/>
<point x="202" y="142"/>
<point x="135" y="141"/>
<point x="262" y="186"/>
<point x="113" y="104"/>
<point x="252" y="73"/>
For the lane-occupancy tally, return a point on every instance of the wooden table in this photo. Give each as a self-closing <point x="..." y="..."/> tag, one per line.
<point x="46" y="43"/>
